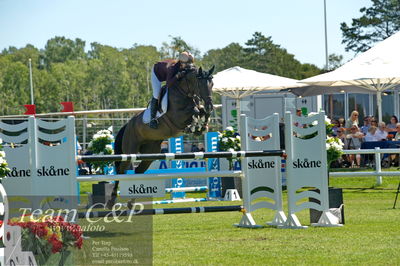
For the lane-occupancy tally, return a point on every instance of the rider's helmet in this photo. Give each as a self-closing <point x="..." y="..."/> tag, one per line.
<point x="186" y="58"/>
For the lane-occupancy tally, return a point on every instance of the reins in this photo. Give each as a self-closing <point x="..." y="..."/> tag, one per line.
<point x="189" y="93"/>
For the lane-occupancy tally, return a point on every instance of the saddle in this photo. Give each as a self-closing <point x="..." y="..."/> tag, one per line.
<point x="162" y="106"/>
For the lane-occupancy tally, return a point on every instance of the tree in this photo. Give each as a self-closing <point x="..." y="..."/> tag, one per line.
<point x="265" y="56"/>
<point x="229" y="56"/>
<point x="260" y="54"/>
<point x="377" y="23"/>
<point x="176" y="46"/>
<point x="335" y="61"/>
<point x="61" y="49"/>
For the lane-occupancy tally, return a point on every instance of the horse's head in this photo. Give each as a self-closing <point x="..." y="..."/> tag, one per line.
<point x="205" y="88"/>
<point x="200" y="84"/>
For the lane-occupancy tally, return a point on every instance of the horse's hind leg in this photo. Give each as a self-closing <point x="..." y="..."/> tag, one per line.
<point x="121" y="167"/>
<point x="152" y="147"/>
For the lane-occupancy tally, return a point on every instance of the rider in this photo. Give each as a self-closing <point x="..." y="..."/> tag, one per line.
<point x="169" y="70"/>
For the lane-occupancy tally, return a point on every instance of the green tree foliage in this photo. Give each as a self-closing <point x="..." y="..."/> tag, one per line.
<point x="377" y="22"/>
<point x="229" y="56"/>
<point x="176" y="46"/>
<point x="61" y="49"/>
<point x="260" y="54"/>
<point x="105" y="77"/>
<point x="335" y="61"/>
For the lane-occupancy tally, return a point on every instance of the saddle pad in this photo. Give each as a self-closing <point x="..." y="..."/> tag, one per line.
<point x="164" y="107"/>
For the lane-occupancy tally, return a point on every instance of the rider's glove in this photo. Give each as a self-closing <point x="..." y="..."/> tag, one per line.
<point x="180" y="74"/>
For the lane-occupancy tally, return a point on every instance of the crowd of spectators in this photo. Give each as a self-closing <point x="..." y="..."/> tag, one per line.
<point x="353" y="135"/>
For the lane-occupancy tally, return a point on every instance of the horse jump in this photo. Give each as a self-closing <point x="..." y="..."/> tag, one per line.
<point x="50" y="171"/>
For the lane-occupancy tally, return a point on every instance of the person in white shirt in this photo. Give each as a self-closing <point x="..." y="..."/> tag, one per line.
<point x="381" y="133"/>
<point x="397" y="136"/>
<point x="371" y="134"/>
<point x="354" y="140"/>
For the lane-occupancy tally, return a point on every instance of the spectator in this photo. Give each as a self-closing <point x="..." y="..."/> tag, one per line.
<point x="201" y="147"/>
<point x="395" y="158"/>
<point x="366" y="126"/>
<point x="353" y="120"/>
<point x="397" y="136"/>
<point x="391" y="127"/>
<point x="164" y="147"/>
<point x="381" y="133"/>
<point x="374" y="122"/>
<point x="371" y="134"/>
<point x="354" y="140"/>
<point x="344" y="160"/>
<point x="341" y="135"/>
<point x="194" y="148"/>
<point x="297" y="124"/>
<point x="335" y="127"/>
<point x="341" y="122"/>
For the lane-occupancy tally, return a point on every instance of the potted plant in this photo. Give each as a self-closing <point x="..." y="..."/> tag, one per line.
<point x="101" y="144"/>
<point x="229" y="140"/>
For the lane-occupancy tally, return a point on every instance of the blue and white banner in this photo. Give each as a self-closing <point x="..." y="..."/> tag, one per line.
<point x="214" y="183"/>
<point x="176" y="146"/>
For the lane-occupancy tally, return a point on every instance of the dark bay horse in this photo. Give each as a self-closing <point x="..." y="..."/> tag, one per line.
<point x="185" y="100"/>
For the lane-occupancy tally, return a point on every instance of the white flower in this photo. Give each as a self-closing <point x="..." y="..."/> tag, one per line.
<point x="328" y="120"/>
<point x="1" y="140"/>
<point x="340" y="142"/>
<point x="2" y="154"/>
<point x="109" y="146"/>
<point x="224" y="139"/>
<point x="231" y="150"/>
<point x="2" y="160"/>
<point x="238" y="137"/>
<point x="229" y="128"/>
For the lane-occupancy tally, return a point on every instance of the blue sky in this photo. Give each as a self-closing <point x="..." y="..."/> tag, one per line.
<point x="296" y="25"/>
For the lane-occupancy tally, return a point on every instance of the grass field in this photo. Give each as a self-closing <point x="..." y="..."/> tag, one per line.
<point x="371" y="235"/>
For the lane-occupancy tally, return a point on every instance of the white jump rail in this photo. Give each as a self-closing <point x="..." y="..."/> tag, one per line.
<point x="130" y="177"/>
<point x="378" y="169"/>
<point x="89" y="112"/>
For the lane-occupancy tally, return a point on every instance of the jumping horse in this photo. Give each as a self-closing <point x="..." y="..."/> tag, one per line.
<point x="189" y="108"/>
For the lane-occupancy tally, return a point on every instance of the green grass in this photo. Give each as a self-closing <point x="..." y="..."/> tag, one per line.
<point x="371" y="235"/>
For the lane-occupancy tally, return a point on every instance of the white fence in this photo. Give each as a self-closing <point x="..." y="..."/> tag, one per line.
<point x="378" y="168"/>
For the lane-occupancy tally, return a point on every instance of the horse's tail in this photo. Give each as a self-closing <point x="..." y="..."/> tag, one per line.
<point x="118" y="145"/>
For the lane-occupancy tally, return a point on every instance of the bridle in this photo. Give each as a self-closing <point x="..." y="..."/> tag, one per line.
<point x="191" y="92"/>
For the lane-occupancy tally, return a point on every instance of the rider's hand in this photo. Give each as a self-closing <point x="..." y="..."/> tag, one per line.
<point x="180" y="74"/>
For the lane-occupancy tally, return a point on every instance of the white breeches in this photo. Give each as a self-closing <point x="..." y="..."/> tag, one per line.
<point x="156" y="84"/>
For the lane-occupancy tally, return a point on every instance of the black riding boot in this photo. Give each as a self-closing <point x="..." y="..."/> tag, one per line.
<point x="153" y="111"/>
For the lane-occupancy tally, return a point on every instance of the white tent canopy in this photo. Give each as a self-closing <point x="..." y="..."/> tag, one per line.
<point x="376" y="70"/>
<point x="237" y="83"/>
